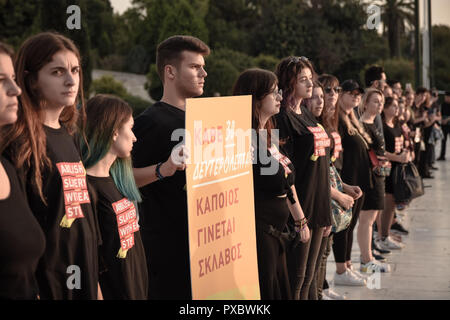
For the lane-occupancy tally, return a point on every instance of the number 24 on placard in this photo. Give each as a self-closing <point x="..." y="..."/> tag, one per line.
<point x="230" y="130"/>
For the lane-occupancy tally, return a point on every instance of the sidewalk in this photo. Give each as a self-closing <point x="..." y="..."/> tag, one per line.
<point x="422" y="269"/>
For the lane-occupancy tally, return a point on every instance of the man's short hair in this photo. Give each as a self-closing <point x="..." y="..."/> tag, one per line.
<point x="420" y="90"/>
<point x="392" y="82"/>
<point x="372" y="74"/>
<point x="169" y="51"/>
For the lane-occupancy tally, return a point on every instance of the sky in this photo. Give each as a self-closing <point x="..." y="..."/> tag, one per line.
<point x="440" y="9"/>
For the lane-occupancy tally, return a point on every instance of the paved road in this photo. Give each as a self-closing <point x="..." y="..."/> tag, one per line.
<point x="422" y="269"/>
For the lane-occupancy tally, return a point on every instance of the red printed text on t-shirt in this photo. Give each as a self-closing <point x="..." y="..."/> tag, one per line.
<point x="337" y="144"/>
<point x="74" y="186"/>
<point x="321" y="141"/>
<point x="126" y="222"/>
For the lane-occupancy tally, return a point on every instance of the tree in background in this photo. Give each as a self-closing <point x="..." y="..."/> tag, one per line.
<point x="441" y="49"/>
<point x="397" y="17"/>
<point x="17" y="20"/>
<point x="108" y="85"/>
<point x="51" y="19"/>
<point x="241" y="34"/>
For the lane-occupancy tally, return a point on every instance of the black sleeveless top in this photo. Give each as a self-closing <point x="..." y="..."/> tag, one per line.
<point x="22" y="242"/>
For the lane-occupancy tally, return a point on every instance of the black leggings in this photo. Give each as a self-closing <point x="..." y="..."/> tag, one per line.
<point x="321" y="281"/>
<point x="302" y="262"/>
<point x="343" y="240"/>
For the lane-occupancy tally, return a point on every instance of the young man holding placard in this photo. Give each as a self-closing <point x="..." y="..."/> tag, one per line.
<point x="163" y="212"/>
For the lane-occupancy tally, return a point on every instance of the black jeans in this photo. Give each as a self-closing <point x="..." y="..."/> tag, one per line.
<point x="302" y="262"/>
<point x="446" y="131"/>
<point x="343" y="240"/>
<point x="426" y="159"/>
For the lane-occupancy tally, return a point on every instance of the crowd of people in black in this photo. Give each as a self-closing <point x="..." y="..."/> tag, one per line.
<point x="93" y="204"/>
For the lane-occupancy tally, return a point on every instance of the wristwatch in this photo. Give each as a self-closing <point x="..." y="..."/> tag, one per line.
<point x="158" y="173"/>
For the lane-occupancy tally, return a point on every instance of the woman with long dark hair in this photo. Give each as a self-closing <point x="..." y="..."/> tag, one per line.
<point x="307" y="145"/>
<point x="43" y="148"/>
<point x="275" y="195"/>
<point x="106" y="157"/>
<point x="21" y="239"/>
<point x="329" y="119"/>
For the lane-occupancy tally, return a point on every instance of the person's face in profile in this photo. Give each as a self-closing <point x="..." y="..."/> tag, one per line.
<point x="190" y="74"/>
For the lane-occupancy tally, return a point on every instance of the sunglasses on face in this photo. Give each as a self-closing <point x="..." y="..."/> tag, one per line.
<point x="335" y="89"/>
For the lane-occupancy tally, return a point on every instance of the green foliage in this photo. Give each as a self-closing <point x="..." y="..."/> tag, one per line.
<point x="441" y="49"/>
<point x="137" y="104"/>
<point x="16" y="17"/>
<point x="53" y="17"/>
<point x="137" y="60"/>
<point x="108" y="85"/>
<point x="239" y="60"/>
<point x="397" y="68"/>
<point x="221" y="77"/>
<point x="154" y="85"/>
<point x="231" y="24"/>
<point x="241" y="34"/>
<point x="266" y="62"/>
<point x="182" y="19"/>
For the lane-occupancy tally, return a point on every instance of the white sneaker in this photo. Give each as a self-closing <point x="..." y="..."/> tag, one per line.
<point x="348" y="279"/>
<point x="332" y="295"/>
<point x="356" y="273"/>
<point x="390" y="244"/>
<point x="325" y="297"/>
<point x="374" y="266"/>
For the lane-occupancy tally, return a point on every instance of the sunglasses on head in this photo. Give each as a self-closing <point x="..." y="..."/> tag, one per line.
<point x="296" y="60"/>
<point x="335" y="89"/>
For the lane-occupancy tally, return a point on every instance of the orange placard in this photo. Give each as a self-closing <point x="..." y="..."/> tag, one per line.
<point x="219" y="177"/>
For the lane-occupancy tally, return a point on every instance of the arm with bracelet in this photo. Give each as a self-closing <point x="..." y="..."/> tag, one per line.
<point x="301" y="223"/>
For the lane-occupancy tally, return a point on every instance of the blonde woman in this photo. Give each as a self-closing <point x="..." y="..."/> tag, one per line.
<point x="355" y="170"/>
<point x="370" y="107"/>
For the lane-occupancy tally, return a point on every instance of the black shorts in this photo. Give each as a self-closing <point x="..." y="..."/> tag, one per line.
<point x="374" y="199"/>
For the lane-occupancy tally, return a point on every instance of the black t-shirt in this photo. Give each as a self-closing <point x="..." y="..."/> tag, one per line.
<point x="394" y="138"/>
<point x="163" y="211"/>
<point x="69" y="267"/>
<point x="355" y="159"/>
<point x="445" y="111"/>
<point x="125" y="278"/>
<point x="307" y="145"/>
<point x="273" y="176"/>
<point x="22" y="242"/>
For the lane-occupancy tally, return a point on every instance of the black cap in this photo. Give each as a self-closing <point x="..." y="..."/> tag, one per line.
<point x="351" y="85"/>
<point x="447" y="93"/>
